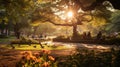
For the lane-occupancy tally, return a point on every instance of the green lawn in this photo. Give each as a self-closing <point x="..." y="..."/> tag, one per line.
<point x="3" y="40"/>
<point x="32" y="47"/>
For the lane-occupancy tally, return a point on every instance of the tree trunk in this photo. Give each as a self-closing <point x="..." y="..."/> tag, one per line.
<point x="6" y="32"/>
<point x="18" y="35"/>
<point x="17" y="32"/>
<point x="2" y="31"/>
<point x="9" y="32"/>
<point x="75" y="33"/>
<point x="35" y="29"/>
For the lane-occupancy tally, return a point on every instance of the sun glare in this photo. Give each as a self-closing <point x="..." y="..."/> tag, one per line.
<point x="70" y="14"/>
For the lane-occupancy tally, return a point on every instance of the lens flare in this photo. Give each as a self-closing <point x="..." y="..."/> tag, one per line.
<point x="70" y="14"/>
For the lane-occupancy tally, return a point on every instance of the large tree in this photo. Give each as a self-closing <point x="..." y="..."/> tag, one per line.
<point x="79" y="11"/>
<point x="53" y="11"/>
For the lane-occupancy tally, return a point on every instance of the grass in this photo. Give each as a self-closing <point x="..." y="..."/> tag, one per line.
<point x="7" y="39"/>
<point x="27" y="47"/>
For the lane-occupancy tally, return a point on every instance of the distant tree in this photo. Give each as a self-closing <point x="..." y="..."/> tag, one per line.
<point x="17" y="12"/>
<point x="2" y="26"/>
<point x="45" y="28"/>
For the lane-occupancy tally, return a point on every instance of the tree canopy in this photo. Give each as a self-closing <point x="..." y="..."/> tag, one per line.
<point x="22" y="13"/>
<point x="114" y="26"/>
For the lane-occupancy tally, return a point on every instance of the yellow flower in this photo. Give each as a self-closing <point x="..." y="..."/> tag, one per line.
<point x="28" y="57"/>
<point x="33" y="58"/>
<point x="28" y="53"/>
<point x="22" y="52"/>
<point x="23" y="58"/>
<point x="51" y="58"/>
<point x="37" y="55"/>
<point x="46" y="51"/>
<point x="45" y="64"/>
<point x="38" y="60"/>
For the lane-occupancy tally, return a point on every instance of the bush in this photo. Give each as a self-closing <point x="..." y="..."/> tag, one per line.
<point x="61" y="38"/>
<point x="113" y="41"/>
<point x="3" y="36"/>
<point x="91" y="58"/>
<point x="24" y="40"/>
<point x="91" y="40"/>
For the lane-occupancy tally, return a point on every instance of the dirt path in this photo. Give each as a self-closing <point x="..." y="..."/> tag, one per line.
<point x="8" y="58"/>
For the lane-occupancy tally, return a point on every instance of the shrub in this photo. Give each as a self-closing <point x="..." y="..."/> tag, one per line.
<point x="91" y="58"/>
<point x="3" y="36"/>
<point x="113" y="41"/>
<point x="62" y="39"/>
<point x="24" y="40"/>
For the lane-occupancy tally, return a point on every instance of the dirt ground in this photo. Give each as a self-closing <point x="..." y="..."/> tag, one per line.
<point x="9" y="57"/>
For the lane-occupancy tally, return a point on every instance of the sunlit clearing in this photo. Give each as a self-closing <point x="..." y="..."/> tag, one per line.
<point x="69" y="46"/>
<point x="49" y="43"/>
<point x="95" y="46"/>
<point x="70" y="14"/>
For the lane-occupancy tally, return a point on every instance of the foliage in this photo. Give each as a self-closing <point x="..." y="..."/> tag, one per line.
<point x="101" y="17"/>
<point x="4" y="39"/>
<point x="24" y="40"/>
<point x="92" y="58"/>
<point x="3" y="36"/>
<point x="93" y="9"/>
<point x="17" y="13"/>
<point x="113" y="41"/>
<point x="99" y="38"/>
<point x="114" y="26"/>
<point x="45" y="28"/>
<point x="54" y="11"/>
<point x="27" y="31"/>
<point x="41" y="59"/>
<point x="62" y="39"/>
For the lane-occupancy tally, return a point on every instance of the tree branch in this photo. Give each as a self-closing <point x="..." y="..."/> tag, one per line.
<point x="85" y="19"/>
<point x="59" y="24"/>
